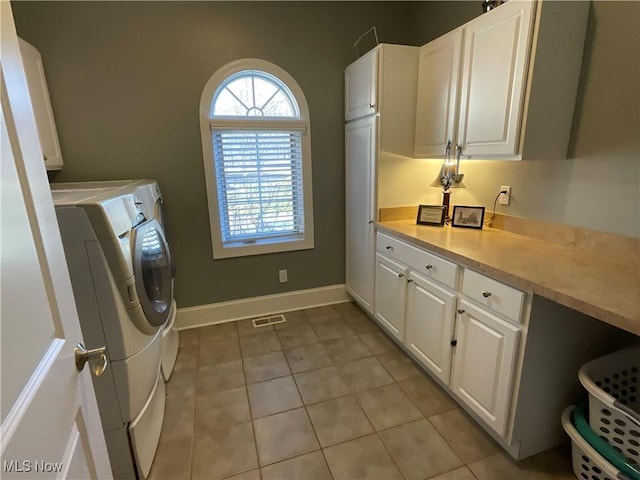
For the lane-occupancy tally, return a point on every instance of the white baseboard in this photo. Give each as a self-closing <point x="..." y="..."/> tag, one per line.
<point x="213" y="313"/>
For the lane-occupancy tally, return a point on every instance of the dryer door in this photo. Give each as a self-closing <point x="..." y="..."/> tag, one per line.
<point x="159" y="215"/>
<point x="152" y="269"/>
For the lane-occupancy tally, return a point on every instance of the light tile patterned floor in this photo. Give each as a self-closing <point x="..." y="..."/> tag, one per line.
<point x="326" y="395"/>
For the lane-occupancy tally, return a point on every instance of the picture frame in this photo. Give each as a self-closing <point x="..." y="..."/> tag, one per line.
<point x="430" y="215"/>
<point x="467" y="216"/>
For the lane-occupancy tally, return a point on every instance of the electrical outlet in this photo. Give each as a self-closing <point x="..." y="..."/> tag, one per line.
<point x="504" y="198"/>
<point x="283" y="276"/>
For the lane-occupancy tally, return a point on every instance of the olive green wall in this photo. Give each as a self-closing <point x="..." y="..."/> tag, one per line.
<point x="126" y="78"/>
<point x="598" y="186"/>
<point x="125" y="81"/>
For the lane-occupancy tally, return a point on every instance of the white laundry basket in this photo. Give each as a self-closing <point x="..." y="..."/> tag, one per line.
<point x="587" y="463"/>
<point x="613" y="384"/>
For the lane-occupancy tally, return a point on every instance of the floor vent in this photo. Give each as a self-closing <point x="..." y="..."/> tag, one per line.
<point x="265" y="321"/>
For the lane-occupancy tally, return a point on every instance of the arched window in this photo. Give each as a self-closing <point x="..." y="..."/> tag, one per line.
<point x="256" y="142"/>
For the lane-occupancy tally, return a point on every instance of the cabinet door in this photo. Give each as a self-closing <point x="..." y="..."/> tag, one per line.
<point x="496" y="56"/>
<point x="391" y="290"/>
<point x="430" y="321"/>
<point x="484" y="364"/>
<point x="360" y="159"/>
<point x="437" y="105"/>
<point x="39" y="93"/>
<point x="361" y="86"/>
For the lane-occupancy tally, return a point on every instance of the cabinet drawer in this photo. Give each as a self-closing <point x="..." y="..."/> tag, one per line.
<point x="492" y="294"/>
<point x="427" y="264"/>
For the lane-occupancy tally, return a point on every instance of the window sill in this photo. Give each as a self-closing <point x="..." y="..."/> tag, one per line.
<point x="262" y="247"/>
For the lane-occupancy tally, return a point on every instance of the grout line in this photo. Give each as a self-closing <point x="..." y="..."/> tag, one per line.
<point x="253" y="427"/>
<point x="195" y="408"/>
<point x="384" y="445"/>
<point x="315" y="434"/>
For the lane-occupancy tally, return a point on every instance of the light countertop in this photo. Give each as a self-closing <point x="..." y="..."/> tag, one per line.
<point x="604" y="287"/>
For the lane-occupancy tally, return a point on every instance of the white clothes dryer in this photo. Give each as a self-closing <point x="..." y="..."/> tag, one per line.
<point x="120" y="270"/>
<point x="148" y="198"/>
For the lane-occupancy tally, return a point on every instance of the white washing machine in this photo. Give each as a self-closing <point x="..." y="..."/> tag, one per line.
<point x="120" y="270"/>
<point x="149" y="199"/>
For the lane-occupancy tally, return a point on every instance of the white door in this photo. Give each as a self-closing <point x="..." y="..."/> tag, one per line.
<point x="50" y="422"/>
<point x="360" y="159"/>
<point x="496" y="57"/>
<point x="437" y="103"/>
<point x="430" y="322"/>
<point x="361" y="86"/>
<point x="485" y="358"/>
<point x="391" y="292"/>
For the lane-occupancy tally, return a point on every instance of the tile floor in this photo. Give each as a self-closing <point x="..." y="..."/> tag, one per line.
<point x="325" y="395"/>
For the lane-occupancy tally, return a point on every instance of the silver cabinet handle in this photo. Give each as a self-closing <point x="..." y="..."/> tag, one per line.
<point x="428" y="267"/>
<point x="461" y="311"/>
<point x="486" y="294"/>
<point x="82" y="356"/>
<point x="372" y="105"/>
<point x="400" y="275"/>
<point x="370" y="222"/>
<point x="44" y="157"/>
<point x="389" y="247"/>
<point x="409" y="280"/>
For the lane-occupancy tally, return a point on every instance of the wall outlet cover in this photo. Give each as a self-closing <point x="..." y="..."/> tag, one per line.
<point x="282" y="274"/>
<point x="505" y="198"/>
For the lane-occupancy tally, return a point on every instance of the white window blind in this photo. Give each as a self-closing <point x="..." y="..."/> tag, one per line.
<point x="259" y="184"/>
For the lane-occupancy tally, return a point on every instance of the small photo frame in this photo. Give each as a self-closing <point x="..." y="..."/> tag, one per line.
<point x="467" y="217"/>
<point x="430" y="215"/>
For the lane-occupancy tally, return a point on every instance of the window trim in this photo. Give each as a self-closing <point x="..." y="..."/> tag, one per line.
<point x="207" y="124"/>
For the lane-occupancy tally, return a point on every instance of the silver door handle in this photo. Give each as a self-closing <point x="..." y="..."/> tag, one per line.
<point x="486" y="294"/>
<point x="460" y="311"/>
<point x="82" y="356"/>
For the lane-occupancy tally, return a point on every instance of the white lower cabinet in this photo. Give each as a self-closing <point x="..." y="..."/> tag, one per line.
<point x="485" y="358"/>
<point x="509" y="358"/>
<point x="465" y="333"/>
<point x="390" y="295"/>
<point x="430" y="322"/>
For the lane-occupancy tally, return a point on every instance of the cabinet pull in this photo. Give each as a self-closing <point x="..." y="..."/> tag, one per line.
<point x="409" y="280"/>
<point x="44" y="157"/>
<point x="389" y="247"/>
<point x="486" y="294"/>
<point x="400" y="275"/>
<point x="372" y="105"/>
<point x="428" y="267"/>
<point x="461" y="311"/>
<point x="370" y="222"/>
<point x="454" y="343"/>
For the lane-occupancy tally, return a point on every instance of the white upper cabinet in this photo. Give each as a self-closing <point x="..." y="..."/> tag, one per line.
<point x="41" y="103"/>
<point x="438" y="80"/>
<point x="496" y="53"/>
<point x="361" y="86"/>
<point x="513" y="94"/>
<point x="384" y="82"/>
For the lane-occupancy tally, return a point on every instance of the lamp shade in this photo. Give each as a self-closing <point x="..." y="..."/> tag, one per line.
<point x="448" y="178"/>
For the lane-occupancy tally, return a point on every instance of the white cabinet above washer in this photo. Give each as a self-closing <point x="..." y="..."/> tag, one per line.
<point x="41" y="103"/>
